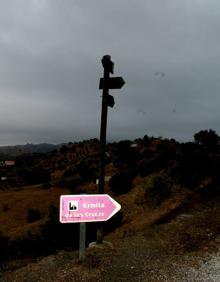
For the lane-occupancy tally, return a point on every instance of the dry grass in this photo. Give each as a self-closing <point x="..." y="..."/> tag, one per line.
<point x="13" y="221"/>
<point x="138" y="215"/>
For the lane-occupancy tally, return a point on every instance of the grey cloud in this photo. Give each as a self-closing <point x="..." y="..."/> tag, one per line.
<point x="51" y="50"/>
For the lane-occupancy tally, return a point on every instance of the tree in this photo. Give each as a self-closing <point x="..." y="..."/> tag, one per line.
<point x="208" y="138"/>
<point x="121" y="183"/>
<point x="64" y="149"/>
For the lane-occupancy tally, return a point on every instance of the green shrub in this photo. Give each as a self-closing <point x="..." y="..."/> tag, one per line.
<point x="71" y="182"/>
<point x="33" y="215"/>
<point x="46" y="186"/>
<point x="121" y="183"/>
<point x="157" y="191"/>
<point x="56" y="235"/>
<point x="3" y="246"/>
<point x="29" y="245"/>
<point x="113" y="222"/>
<point x="32" y="176"/>
<point x="5" y="207"/>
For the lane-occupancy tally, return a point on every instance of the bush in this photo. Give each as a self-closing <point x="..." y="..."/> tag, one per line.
<point x="34" y="176"/>
<point x="194" y="164"/>
<point x="121" y="182"/>
<point x="3" y="246"/>
<point x="207" y="138"/>
<point x="29" y="245"/>
<point x="71" y="182"/>
<point x="69" y="172"/>
<point x="157" y="191"/>
<point x="46" y="186"/>
<point x="56" y="235"/>
<point x="87" y="170"/>
<point x="64" y="149"/>
<point x="113" y="222"/>
<point x="146" y="167"/>
<point x="33" y="215"/>
<point x="5" y="208"/>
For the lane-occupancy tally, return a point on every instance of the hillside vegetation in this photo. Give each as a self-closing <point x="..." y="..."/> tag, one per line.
<point x="153" y="179"/>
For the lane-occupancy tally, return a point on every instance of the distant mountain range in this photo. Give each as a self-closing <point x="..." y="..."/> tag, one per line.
<point x="13" y="151"/>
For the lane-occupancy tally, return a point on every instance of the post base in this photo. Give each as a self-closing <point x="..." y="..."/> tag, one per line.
<point x="105" y="244"/>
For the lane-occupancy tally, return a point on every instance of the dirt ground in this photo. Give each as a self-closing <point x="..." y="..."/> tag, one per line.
<point x="146" y="256"/>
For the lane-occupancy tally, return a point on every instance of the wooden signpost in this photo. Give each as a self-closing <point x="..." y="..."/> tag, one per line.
<point x="105" y="84"/>
<point x="100" y="207"/>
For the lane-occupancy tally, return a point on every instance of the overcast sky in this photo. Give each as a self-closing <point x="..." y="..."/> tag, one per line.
<point x="168" y="52"/>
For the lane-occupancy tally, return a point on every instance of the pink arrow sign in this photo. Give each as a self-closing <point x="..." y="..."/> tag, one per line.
<point x="87" y="208"/>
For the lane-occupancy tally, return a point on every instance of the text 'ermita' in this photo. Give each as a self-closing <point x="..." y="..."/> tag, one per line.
<point x="93" y="206"/>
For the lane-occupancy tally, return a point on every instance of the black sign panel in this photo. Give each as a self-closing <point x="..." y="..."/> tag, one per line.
<point x="110" y="101"/>
<point x="112" y="83"/>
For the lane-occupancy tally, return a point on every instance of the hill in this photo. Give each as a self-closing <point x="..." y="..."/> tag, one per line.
<point x="17" y="150"/>
<point x="169" y="193"/>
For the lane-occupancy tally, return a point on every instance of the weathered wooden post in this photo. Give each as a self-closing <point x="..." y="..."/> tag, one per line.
<point x="105" y="84"/>
<point x="82" y="241"/>
<point x="100" y="207"/>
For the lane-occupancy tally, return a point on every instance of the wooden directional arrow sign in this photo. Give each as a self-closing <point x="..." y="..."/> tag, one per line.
<point x="112" y="83"/>
<point x="87" y="208"/>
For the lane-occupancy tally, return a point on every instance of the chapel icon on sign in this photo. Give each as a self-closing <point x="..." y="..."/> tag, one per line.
<point x="73" y="205"/>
